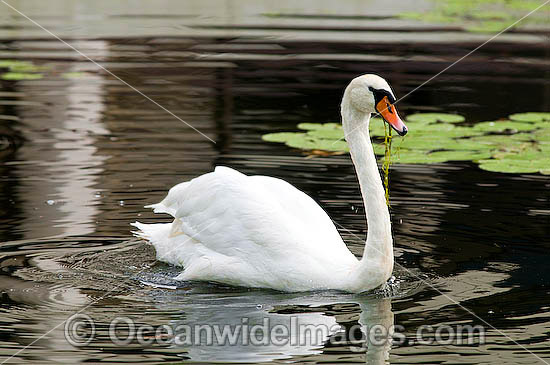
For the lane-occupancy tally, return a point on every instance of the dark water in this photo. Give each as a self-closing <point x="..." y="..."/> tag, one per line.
<point x="83" y="156"/>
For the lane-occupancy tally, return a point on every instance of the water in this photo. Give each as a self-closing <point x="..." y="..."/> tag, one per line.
<point x="86" y="154"/>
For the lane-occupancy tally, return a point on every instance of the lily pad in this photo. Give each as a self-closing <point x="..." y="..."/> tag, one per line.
<point x="460" y="155"/>
<point x="73" y="75"/>
<point x="416" y="157"/>
<point x="502" y="145"/>
<point x="515" y="166"/>
<point x="279" y="137"/>
<point x="429" y="118"/>
<point x="305" y="142"/>
<point x="327" y="133"/>
<point x="503" y="125"/>
<point x="316" y="126"/>
<point x="530" y="117"/>
<point x="20" y="76"/>
<point x="483" y="16"/>
<point x="426" y="143"/>
<point x="19" y="66"/>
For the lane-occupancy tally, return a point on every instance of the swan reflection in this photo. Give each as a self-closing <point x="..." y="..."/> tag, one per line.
<point x="239" y="329"/>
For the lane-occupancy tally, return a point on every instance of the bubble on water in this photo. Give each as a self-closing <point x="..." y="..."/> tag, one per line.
<point x="121" y="203"/>
<point x="50" y="202"/>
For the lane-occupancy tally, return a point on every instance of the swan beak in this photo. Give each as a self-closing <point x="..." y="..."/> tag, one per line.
<point x="389" y="113"/>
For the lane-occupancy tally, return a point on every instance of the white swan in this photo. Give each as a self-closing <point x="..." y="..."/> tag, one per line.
<point x="260" y="231"/>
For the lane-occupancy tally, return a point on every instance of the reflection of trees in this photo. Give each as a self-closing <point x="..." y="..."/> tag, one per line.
<point x="60" y="162"/>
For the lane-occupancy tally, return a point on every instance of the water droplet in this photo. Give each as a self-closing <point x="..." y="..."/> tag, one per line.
<point x="121" y="203"/>
<point x="50" y="202"/>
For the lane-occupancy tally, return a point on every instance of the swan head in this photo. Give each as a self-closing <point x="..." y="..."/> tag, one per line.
<point x="369" y="94"/>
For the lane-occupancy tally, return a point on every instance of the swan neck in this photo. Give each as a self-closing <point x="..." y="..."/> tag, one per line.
<point x="378" y="251"/>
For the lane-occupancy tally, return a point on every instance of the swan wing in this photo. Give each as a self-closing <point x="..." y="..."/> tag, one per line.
<point x="253" y="217"/>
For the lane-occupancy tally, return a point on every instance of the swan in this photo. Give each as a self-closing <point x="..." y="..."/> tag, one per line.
<point x="262" y="232"/>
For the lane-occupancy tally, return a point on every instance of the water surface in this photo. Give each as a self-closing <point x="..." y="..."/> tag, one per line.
<point x="86" y="154"/>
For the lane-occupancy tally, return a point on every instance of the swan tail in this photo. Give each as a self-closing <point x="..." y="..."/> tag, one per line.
<point x="171" y="245"/>
<point x="160" y="208"/>
<point x="154" y="233"/>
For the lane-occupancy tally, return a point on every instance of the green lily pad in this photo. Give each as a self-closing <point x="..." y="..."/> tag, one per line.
<point x="305" y="142"/>
<point x="327" y="133"/>
<point x="504" y="145"/>
<point x="542" y="135"/>
<point x="530" y="117"/>
<point x="514" y="165"/>
<point x="460" y="155"/>
<point x="73" y="75"/>
<point x="429" y="118"/>
<point x="503" y="125"/>
<point x="316" y="126"/>
<point x="377" y="128"/>
<point x="482" y="16"/>
<point x="416" y="157"/>
<point x="426" y="143"/>
<point x="18" y="66"/>
<point x="279" y="137"/>
<point x="493" y="26"/>
<point x="497" y="141"/>
<point x="20" y="76"/>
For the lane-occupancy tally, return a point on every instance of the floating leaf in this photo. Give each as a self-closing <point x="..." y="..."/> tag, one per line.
<point x="503" y="125"/>
<point x="514" y="165"/>
<point x="483" y="16"/>
<point x="460" y="155"/>
<point x="315" y="126"/>
<point x="327" y="133"/>
<point x="20" y="76"/>
<point x="530" y="117"/>
<point x="433" y="138"/>
<point x="376" y="127"/>
<point x="279" y="137"/>
<point x="73" y="75"/>
<point x="305" y="142"/>
<point x="429" y="118"/>
<point x="417" y="157"/>
<point x="427" y="143"/>
<point x="18" y="66"/>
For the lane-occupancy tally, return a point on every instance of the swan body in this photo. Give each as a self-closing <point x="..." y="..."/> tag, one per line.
<point x="260" y="231"/>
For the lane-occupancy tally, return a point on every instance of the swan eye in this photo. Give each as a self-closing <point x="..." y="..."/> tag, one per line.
<point x="388" y="106"/>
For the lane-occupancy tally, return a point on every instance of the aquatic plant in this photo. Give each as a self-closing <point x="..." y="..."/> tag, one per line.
<point x="519" y="144"/>
<point x="486" y="16"/>
<point x="20" y="70"/>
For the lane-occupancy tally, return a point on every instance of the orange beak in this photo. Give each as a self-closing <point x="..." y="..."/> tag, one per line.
<point x="389" y="113"/>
